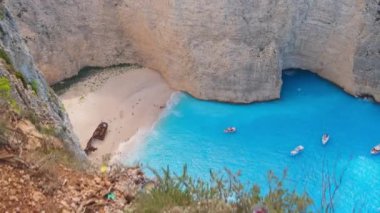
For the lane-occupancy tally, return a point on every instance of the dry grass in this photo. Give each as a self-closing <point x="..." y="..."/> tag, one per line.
<point x="221" y="193"/>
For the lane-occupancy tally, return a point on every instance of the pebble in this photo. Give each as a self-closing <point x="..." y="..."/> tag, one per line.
<point x="13" y="198"/>
<point x="37" y="196"/>
<point x="64" y="204"/>
<point x="107" y="183"/>
<point x="73" y="205"/>
<point x="97" y="180"/>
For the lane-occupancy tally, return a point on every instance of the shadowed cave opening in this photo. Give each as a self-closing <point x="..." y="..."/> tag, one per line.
<point x="364" y="96"/>
<point x="84" y="73"/>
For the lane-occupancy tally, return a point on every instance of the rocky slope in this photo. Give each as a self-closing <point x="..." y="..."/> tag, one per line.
<point x="221" y="49"/>
<point x="26" y="101"/>
<point x="50" y="186"/>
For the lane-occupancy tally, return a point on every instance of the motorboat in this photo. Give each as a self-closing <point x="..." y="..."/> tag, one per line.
<point x="375" y="150"/>
<point x="230" y="130"/>
<point x="325" y="139"/>
<point x="297" y="150"/>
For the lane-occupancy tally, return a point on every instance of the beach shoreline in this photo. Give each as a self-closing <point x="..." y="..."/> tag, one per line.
<point x="129" y="152"/>
<point x="130" y="100"/>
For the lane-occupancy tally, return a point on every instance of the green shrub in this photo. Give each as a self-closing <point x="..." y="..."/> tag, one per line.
<point x="31" y="116"/>
<point x="5" y="94"/>
<point x="34" y="85"/>
<point x="3" y="130"/>
<point x="2" y="11"/>
<point x="2" y="14"/>
<point x="56" y="156"/>
<point x="2" y="127"/>
<point x="21" y="77"/>
<point x="5" y="57"/>
<point x="5" y="86"/>
<point x="169" y="194"/>
<point x="8" y="62"/>
<point x="219" y="194"/>
<point x="35" y="120"/>
<point x="47" y="130"/>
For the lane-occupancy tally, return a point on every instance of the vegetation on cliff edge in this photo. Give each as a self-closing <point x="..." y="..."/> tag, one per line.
<point x="5" y="57"/>
<point x="34" y="85"/>
<point x="8" y="63"/>
<point x="220" y="194"/>
<point x="5" y="94"/>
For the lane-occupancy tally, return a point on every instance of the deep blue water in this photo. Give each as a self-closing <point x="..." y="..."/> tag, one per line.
<point x="192" y="134"/>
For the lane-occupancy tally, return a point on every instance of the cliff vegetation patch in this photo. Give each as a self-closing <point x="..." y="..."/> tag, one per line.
<point x="221" y="193"/>
<point x="34" y="85"/>
<point x="5" y="57"/>
<point x="5" y="94"/>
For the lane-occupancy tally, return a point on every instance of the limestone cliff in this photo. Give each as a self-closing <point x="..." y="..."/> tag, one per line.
<point x="24" y="94"/>
<point x="228" y="50"/>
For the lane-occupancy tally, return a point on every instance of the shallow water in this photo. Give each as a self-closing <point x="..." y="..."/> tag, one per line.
<point x="192" y="134"/>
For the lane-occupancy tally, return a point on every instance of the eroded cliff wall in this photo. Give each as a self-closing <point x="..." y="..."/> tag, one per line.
<point x="65" y="36"/>
<point x="24" y="94"/>
<point x="227" y="50"/>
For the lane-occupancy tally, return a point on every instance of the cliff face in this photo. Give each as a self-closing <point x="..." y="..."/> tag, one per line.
<point x="65" y="36"/>
<point x="24" y="94"/>
<point x="222" y="49"/>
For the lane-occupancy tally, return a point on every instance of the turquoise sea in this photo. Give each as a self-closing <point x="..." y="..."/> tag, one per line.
<point x="192" y="133"/>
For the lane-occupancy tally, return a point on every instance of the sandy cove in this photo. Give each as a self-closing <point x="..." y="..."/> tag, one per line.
<point x="130" y="100"/>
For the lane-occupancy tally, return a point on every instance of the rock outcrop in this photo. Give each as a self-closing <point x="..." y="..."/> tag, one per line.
<point x="24" y="94"/>
<point x="221" y="49"/>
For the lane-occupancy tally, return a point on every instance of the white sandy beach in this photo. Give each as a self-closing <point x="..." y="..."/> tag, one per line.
<point x="129" y="100"/>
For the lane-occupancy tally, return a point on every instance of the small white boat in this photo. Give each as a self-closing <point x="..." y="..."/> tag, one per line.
<point x="230" y="130"/>
<point x="297" y="150"/>
<point x="325" y="139"/>
<point x="375" y="150"/>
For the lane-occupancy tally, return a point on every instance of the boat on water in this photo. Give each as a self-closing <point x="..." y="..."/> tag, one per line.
<point x="375" y="150"/>
<point x="325" y="139"/>
<point x="297" y="150"/>
<point x="230" y="130"/>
